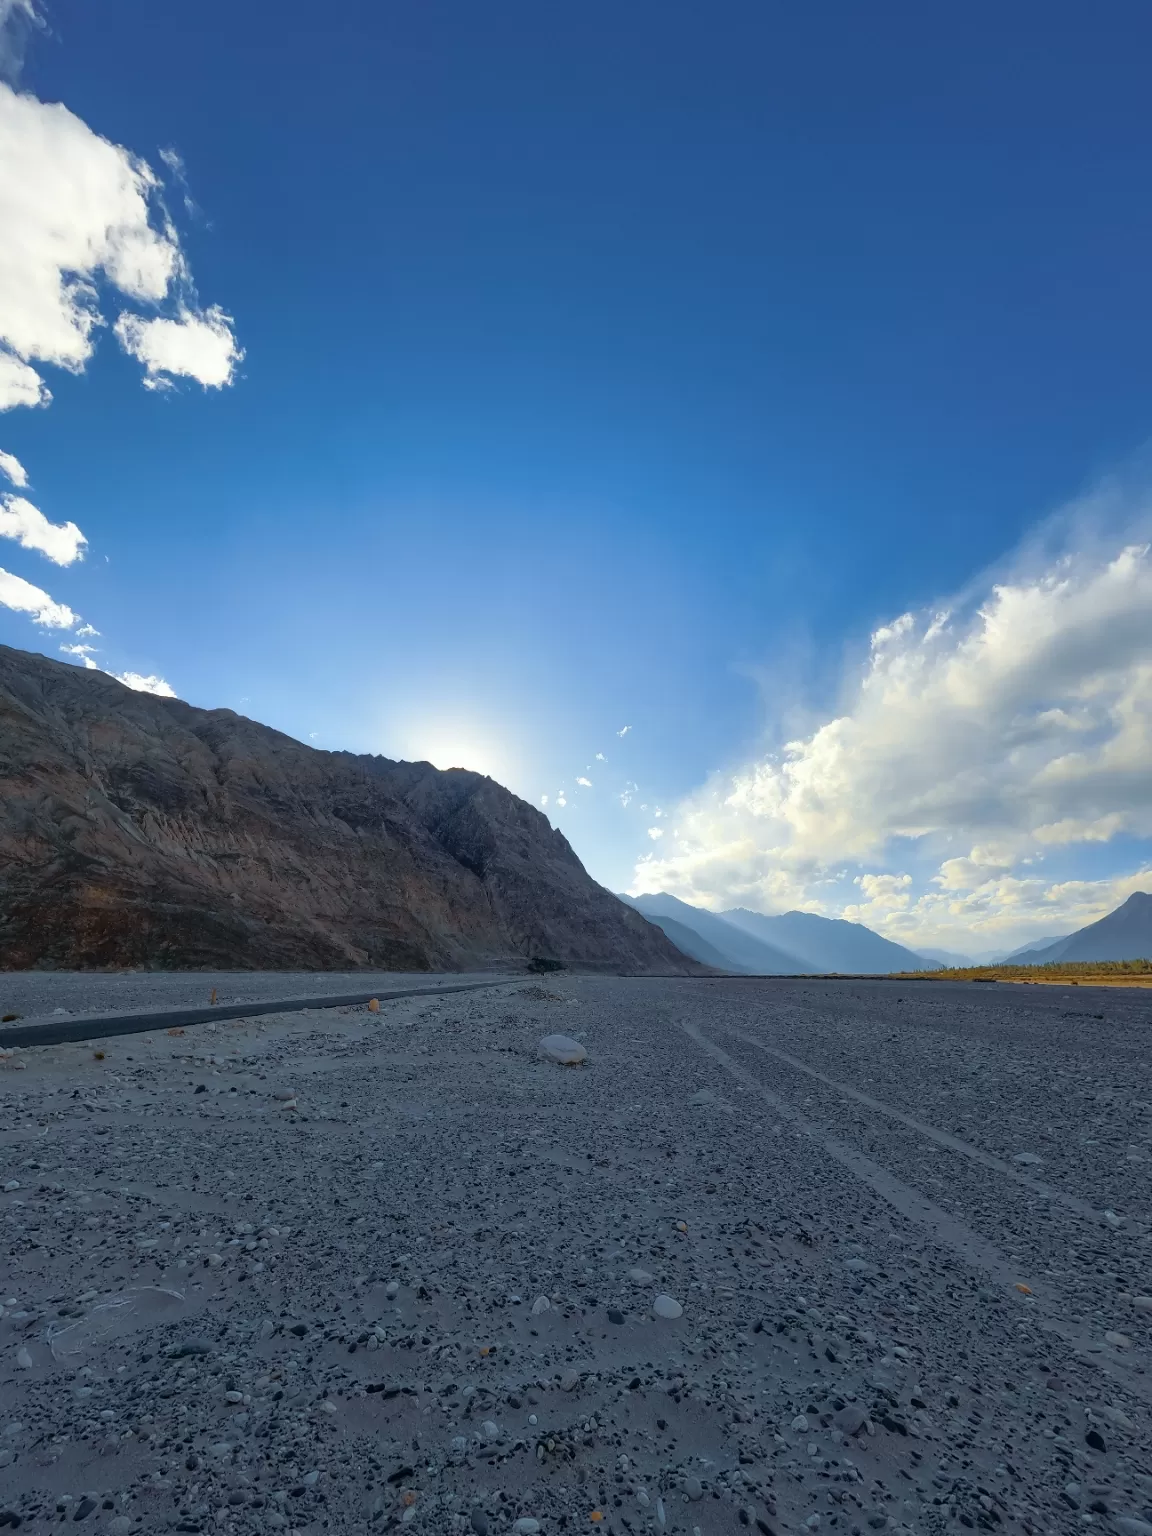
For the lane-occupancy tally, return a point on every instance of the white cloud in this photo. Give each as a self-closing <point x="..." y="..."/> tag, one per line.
<point x="62" y="543"/>
<point x="22" y="597"/>
<point x="140" y="684"/>
<point x="600" y="758"/>
<point x="625" y="731"/>
<point x="200" y="347"/>
<point x="977" y="736"/>
<point x="86" y="629"/>
<point x="561" y="800"/>
<point x="20" y="384"/>
<point x="584" y="783"/>
<point x="84" y="652"/>
<point x="12" y="469"/>
<point x="543" y="799"/>
<point x="655" y="832"/>
<point x="77" y="210"/>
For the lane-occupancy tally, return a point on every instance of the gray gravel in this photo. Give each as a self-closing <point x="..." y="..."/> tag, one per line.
<point x="37" y="995"/>
<point x="350" y="1272"/>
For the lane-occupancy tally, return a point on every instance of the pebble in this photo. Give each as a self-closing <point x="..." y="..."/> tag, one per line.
<point x="480" y="1522"/>
<point x="800" y="1422"/>
<point x="615" y="1315"/>
<point x="1028" y="1158"/>
<point x="850" y="1420"/>
<point x="642" y="1277"/>
<point x="23" y="1359"/>
<point x="392" y="1290"/>
<point x="569" y="1381"/>
<point x="540" y="1306"/>
<point x="526" y="1526"/>
<point x="693" y="1489"/>
<point x="666" y="1306"/>
<point x="1118" y="1340"/>
<point x="1142" y="1303"/>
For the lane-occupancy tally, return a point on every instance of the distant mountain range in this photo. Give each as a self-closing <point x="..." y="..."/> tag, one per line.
<point x="790" y="944"/>
<point x="800" y="943"/>
<point x="1125" y="934"/>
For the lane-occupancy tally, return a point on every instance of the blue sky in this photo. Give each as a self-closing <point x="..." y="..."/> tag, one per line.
<point x="629" y="366"/>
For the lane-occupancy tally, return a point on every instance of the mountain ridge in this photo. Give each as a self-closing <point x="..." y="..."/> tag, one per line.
<point x="137" y="830"/>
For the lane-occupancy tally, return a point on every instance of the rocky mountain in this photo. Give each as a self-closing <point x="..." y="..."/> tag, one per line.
<point x="1125" y="934"/>
<point x="140" y="831"/>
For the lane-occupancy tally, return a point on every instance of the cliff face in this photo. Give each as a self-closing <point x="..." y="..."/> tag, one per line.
<point x="143" y="831"/>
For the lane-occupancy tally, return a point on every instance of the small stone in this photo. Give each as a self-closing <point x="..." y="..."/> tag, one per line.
<point x="526" y="1526"/>
<point x="1142" y="1303"/>
<point x="693" y="1489"/>
<point x="1029" y="1159"/>
<point x="121" y="1525"/>
<point x="800" y="1423"/>
<point x="642" y="1277"/>
<point x="540" y="1306"/>
<point x="480" y="1522"/>
<point x="1118" y="1340"/>
<point x="392" y="1290"/>
<point x="490" y="1429"/>
<point x="1095" y="1439"/>
<point x="615" y="1315"/>
<point x="667" y="1306"/>
<point x="84" y="1509"/>
<point x="569" y="1381"/>
<point x="23" y="1359"/>
<point x="850" y="1420"/>
<point x="563" y="1050"/>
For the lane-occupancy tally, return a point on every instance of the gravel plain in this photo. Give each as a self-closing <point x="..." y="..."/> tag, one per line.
<point x="783" y="1255"/>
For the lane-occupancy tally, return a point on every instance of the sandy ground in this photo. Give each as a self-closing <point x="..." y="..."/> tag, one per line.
<point x="347" y="1272"/>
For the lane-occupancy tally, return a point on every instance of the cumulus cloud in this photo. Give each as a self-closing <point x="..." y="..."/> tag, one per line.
<point x="600" y="758"/>
<point x="22" y="597"/>
<point x="12" y="470"/>
<point x="584" y="783"/>
<point x="62" y="543"/>
<point x="625" y="731"/>
<point x="77" y="212"/>
<point x="140" y="684"/>
<point x="543" y="799"/>
<point x="200" y="347"/>
<point x="655" y="832"/>
<point x="979" y="736"/>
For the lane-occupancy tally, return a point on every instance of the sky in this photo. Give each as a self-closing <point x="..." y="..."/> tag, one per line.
<point x="726" y="426"/>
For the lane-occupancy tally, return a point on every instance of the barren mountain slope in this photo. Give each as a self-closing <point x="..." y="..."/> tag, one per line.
<point x="142" y="831"/>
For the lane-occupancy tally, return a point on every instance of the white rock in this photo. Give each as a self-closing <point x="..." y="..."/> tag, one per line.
<point x="541" y="1304"/>
<point x="1118" y="1340"/>
<point x="563" y="1050"/>
<point x="640" y="1277"/>
<point x="490" y="1429"/>
<point x="1028" y="1158"/>
<point x="526" y="1526"/>
<point x="23" y="1359"/>
<point x="392" y="1290"/>
<point x="1142" y="1303"/>
<point x="667" y="1306"/>
<point x="800" y="1422"/>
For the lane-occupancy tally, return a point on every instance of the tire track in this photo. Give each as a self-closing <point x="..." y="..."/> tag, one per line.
<point x="945" y="1229"/>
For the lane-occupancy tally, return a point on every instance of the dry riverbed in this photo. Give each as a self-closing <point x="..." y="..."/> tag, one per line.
<point x="781" y="1256"/>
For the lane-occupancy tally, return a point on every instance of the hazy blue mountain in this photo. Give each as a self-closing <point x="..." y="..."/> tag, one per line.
<point x="741" y="951"/>
<point x="827" y="943"/>
<point x="947" y="957"/>
<point x="1027" y="949"/>
<point x="1125" y="934"/>
<point x="688" y="941"/>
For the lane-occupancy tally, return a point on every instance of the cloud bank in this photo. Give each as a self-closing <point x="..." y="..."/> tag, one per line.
<point x="80" y="213"/>
<point x="979" y="740"/>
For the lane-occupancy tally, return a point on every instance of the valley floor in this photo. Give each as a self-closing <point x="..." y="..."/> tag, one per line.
<point x="344" y="1272"/>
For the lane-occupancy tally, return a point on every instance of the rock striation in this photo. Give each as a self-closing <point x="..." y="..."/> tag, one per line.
<point x="141" y="831"/>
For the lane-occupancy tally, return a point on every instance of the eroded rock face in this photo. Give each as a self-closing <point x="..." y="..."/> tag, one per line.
<point x="143" y="831"/>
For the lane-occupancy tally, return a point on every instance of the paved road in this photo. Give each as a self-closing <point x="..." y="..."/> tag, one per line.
<point x="906" y="1227"/>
